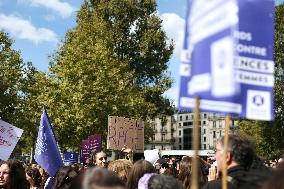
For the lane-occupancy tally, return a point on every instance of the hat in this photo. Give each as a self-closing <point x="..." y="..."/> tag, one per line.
<point x="151" y="155"/>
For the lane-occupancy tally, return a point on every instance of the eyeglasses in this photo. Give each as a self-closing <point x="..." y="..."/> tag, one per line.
<point x="217" y="150"/>
<point x="101" y="159"/>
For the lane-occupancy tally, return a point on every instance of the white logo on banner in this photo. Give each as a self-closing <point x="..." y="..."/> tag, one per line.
<point x="222" y="68"/>
<point x="258" y="105"/>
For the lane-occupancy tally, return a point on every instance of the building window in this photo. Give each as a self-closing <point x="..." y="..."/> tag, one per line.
<point x="214" y="134"/>
<point x="214" y="124"/>
<point x="204" y="139"/>
<point x="179" y="124"/>
<point x="204" y="131"/>
<point x="187" y="123"/>
<point x="204" y="122"/>
<point x="186" y="117"/>
<point x="179" y="147"/>
<point x="179" y="140"/>
<point x="204" y="146"/>
<point x="153" y="137"/>
<point x="220" y="133"/>
<point x="205" y="116"/>
<point x="179" y="132"/>
<point x="163" y="137"/>
<point x="180" y="118"/>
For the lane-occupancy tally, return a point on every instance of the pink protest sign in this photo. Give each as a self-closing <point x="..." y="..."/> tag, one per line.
<point x="85" y="151"/>
<point x="9" y="136"/>
<point x="95" y="142"/>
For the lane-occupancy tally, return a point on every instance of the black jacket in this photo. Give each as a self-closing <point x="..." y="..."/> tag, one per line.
<point x="239" y="178"/>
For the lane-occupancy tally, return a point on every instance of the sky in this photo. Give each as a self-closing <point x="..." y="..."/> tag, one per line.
<point x="37" y="27"/>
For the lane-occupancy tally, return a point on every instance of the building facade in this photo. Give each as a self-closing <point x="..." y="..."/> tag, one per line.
<point x="165" y="133"/>
<point x="175" y="132"/>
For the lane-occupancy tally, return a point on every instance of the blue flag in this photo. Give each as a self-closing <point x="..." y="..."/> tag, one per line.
<point x="47" y="154"/>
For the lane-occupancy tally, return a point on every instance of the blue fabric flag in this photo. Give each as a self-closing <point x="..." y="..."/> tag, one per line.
<point x="47" y="154"/>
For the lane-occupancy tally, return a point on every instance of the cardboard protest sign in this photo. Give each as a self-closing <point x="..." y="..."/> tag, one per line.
<point x="9" y="136"/>
<point x="125" y="131"/>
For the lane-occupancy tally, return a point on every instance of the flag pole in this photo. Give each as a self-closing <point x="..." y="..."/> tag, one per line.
<point x="195" y="144"/>
<point x="224" y="166"/>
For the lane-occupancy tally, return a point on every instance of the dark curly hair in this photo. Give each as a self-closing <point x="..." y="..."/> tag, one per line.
<point x="35" y="175"/>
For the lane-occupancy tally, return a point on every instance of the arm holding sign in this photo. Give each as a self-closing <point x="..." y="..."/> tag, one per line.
<point x="128" y="153"/>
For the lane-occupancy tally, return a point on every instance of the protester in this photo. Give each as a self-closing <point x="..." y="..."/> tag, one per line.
<point x="12" y="175"/>
<point x="100" y="158"/>
<point x="140" y="167"/>
<point x="34" y="177"/>
<point x="98" y="178"/>
<point x="121" y="168"/>
<point x="144" y="180"/>
<point x="164" y="182"/>
<point x="276" y="181"/>
<point x="64" y="177"/>
<point x="185" y="173"/>
<point x="239" y="158"/>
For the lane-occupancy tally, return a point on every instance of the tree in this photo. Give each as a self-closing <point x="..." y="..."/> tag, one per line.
<point x="114" y="62"/>
<point x="269" y="135"/>
<point x="11" y="66"/>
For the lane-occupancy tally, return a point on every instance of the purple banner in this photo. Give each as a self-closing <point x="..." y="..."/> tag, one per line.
<point x="85" y="151"/>
<point x="95" y="142"/>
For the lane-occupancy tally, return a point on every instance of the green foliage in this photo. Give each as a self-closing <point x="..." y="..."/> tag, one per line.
<point x="11" y="66"/>
<point x="269" y="135"/>
<point x="114" y="62"/>
<point x="19" y="90"/>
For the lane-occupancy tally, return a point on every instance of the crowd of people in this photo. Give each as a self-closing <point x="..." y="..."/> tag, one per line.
<point x="244" y="170"/>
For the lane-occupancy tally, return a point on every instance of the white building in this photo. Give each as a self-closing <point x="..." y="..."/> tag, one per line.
<point x="165" y="133"/>
<point x="175" y="132"/>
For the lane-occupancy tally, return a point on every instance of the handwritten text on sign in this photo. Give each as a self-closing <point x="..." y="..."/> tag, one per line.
<point x="125" y="131"/>
<point x="9" y="136"/>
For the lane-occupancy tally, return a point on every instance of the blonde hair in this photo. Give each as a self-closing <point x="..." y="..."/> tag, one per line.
<point x="121" y="168"/>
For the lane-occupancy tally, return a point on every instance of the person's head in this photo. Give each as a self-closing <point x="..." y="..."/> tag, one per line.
<point x="185" y="171"/>
<point x="240" y="152"/>
<point x="164" y="167"/>
<point x="64" y="177"/>
<point x="100" y="158"/>
<point x="275" y="181"/>
<point x="33" y="176"/>
<point x="100" y="178"/>
<point x="12" y="175"/>
<point x="140" y="167"/>
<point x="164" y="182"/>
<point x="121" y="168"/>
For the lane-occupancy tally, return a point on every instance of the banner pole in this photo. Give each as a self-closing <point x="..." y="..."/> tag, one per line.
<point x="224" y="166"/>
<point x="195" y="144"/>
